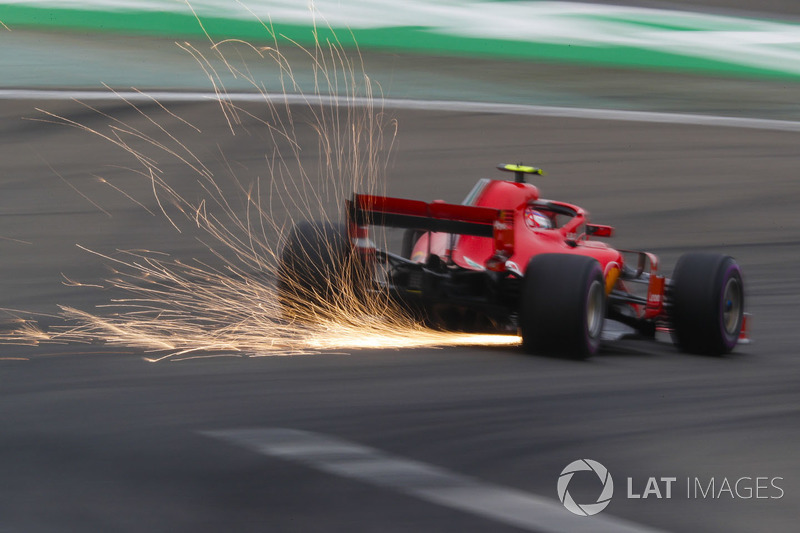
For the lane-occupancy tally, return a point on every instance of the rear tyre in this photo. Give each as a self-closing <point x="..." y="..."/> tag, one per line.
<point x="563" y="305"/>
<point x="707" y="303"/>
<point x="410" y="238"/>
<point x="313" y="269"/>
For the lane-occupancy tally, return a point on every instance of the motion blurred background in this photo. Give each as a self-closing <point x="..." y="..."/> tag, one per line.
<point x="646" y="55"/>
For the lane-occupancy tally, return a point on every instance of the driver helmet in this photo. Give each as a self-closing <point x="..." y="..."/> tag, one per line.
<point x="535" y="219"/>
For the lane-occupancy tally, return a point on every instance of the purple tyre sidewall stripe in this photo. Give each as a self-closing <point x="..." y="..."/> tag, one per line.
<point x="729" y="340"/>
<point x="593" y="344"/>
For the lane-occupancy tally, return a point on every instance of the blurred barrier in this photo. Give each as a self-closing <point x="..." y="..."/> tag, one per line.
<point x="553" y="31"/>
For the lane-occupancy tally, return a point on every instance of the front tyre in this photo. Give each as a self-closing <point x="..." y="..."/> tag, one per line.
<point x="707" y="303"/>
<point x="563" y="305"/>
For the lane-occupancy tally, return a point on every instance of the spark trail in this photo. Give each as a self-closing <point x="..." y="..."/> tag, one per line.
<point x="177" y="309"/>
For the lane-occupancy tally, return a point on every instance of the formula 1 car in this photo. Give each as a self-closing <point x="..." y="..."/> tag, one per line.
<point x="507" y="260"/>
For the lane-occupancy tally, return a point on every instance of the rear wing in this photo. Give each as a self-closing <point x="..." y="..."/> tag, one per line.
<point x="365" y="210"/>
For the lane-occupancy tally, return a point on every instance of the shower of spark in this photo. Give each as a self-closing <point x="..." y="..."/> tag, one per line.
<point x="177" y="309"/>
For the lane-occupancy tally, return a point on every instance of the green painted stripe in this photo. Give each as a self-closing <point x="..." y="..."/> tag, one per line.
<point x="781" y="60"/>
<point x="420" y="41"/>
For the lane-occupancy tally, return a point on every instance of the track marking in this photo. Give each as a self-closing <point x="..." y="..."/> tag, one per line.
<point x="421" y="105"/>
<point x="423" y="481"/>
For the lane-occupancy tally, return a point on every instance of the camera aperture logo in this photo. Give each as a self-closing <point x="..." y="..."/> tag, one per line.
<point x="585" y="509"/>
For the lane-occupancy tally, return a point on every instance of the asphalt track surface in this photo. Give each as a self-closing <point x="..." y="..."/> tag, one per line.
<point x="97" y="439"/>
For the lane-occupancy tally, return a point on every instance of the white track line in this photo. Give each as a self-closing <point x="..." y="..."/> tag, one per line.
<point x="427" y="482"/>
<point x="422" y="105"/>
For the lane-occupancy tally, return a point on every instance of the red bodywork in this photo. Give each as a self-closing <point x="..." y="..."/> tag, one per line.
<point x="523" y="242"/>
<point x="463" y="266"/>
<point x="498" y="208"/>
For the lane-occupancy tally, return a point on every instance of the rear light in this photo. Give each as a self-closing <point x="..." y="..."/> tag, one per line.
<point x="503" y="230"/>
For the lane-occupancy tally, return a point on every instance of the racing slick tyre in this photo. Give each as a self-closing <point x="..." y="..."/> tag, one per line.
<point x="313" y="269"/>
<point x="410" y="238"/>
<point x="706" y="300"/>
<point x="563" y="305"/>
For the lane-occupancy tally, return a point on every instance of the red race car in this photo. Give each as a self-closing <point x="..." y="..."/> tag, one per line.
<point x="507" y="260"/>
